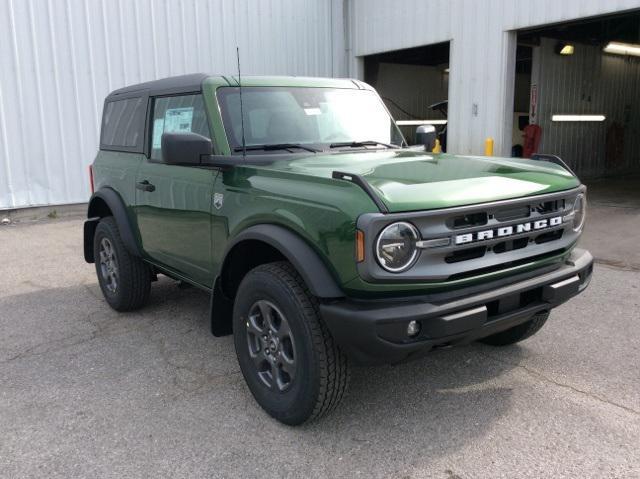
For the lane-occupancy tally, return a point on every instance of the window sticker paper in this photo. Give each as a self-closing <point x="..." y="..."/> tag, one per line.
<point x="158" y="129"/>
<point x="178" y="120"/>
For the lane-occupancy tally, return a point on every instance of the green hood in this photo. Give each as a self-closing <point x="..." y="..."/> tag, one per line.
<point x="407" y="180"/>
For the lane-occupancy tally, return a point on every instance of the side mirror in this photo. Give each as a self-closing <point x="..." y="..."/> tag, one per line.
<point x="187" y="149"/>
<point x="426" y="135"/>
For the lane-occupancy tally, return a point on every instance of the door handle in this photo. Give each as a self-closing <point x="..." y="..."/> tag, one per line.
<point x="145" y="186"/>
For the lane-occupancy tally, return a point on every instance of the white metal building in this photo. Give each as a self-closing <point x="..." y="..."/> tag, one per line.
<point x="60" y="58"/>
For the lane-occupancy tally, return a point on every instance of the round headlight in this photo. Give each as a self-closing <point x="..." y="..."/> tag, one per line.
<point x="396" y="247"/>
<point x="579" y="212"/>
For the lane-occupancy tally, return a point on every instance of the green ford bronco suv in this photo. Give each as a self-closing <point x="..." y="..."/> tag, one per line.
<point x="322" y="239"/>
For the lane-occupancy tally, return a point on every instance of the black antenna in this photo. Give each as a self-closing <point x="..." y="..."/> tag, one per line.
<point x="244" y="145"/>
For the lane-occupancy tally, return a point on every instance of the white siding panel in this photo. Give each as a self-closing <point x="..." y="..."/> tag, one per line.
<point x="60" y="58"/>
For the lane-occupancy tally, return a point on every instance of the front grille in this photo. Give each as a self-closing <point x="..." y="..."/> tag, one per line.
<point x="467" y="221"/>
<point x="482" y="239"/>
<point x="509" y="264"/>
<point x="549" y="206"/>
<point x="510" y="214"/>
<point x="502" y="236"/>
<point x="466" y="254"/>
<point x="500" y="247"/>
<point x="550" y="236"/>
<point x="469" y="254"/>
<point x="517" y="227"/>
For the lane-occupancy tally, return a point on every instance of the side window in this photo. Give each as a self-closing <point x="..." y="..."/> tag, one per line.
<point x="184" y="113"/>
<point x="123" y="124"/>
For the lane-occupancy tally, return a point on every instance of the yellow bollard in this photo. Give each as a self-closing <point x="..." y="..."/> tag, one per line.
<point x="437" y="148"/>
<point x="488" y="147"/>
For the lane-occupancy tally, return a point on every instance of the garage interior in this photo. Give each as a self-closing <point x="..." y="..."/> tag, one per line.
<point x="564" y="69"/>
<point x="414" y="84"/>
<point x="583" y="95"/>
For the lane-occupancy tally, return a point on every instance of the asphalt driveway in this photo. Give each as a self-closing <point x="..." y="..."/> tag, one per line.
<point x="88" y="392"/>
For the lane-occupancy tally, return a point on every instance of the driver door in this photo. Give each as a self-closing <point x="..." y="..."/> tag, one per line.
<point x="173" y="203"/>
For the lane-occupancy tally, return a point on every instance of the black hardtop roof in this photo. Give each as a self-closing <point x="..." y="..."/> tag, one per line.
<point x="193" y="83"/>
<point x="175" y="84"/>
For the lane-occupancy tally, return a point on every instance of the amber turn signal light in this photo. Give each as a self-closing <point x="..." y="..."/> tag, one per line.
<point x="359" y="246"/>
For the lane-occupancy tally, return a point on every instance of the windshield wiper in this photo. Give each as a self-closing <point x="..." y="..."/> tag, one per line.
<point x="277" y="146"/>
<point x="358" y="144"/>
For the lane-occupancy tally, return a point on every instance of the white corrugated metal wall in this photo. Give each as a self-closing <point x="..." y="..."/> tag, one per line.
<point x="483" y="42"/>
<point x="59" y="58"/>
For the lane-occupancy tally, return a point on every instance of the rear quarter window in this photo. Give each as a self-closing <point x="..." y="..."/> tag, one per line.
<point x="123" y="124"/>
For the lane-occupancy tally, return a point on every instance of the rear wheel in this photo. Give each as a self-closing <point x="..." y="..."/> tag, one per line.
<point x="290" y="362"/>
<point x="125" y="280"/>
<point x="518" y="333"/>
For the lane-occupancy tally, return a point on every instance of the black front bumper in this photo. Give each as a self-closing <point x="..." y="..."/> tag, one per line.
<point x="374" y="331"/>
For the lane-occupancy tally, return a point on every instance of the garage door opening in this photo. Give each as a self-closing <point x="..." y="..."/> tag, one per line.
<point x="414" y="84"/>
<point x="577" y="94"/>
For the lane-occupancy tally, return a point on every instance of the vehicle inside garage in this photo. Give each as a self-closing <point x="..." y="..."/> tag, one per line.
<point x="577" y="94"/>
<point x="414" y="84"/>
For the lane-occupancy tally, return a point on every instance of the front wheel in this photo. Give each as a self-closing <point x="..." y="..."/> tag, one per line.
<point x="288" y="358"/>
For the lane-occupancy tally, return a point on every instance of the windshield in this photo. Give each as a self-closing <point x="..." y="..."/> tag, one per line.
<point x="313" y="117"/>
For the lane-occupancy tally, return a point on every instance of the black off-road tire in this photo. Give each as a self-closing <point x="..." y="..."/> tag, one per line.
<point x="321" y="371"/>
<point x="517" y="333"/>
<point x="133" y="275"/>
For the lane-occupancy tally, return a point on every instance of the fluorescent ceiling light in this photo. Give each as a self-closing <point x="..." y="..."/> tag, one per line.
<point x="623" y="48"/>
<point x="578" y="118"/>
<point x="567" y="50"/>
<point x="420" y="122"/>
<point x="563" y="48"/>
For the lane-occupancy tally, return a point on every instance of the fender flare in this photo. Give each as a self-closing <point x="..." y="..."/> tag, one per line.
<point x="119" y="211"/>
<point x="305" y="260"/>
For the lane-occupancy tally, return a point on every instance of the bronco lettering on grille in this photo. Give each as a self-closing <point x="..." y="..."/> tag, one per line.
<point x="505" y="231"/>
